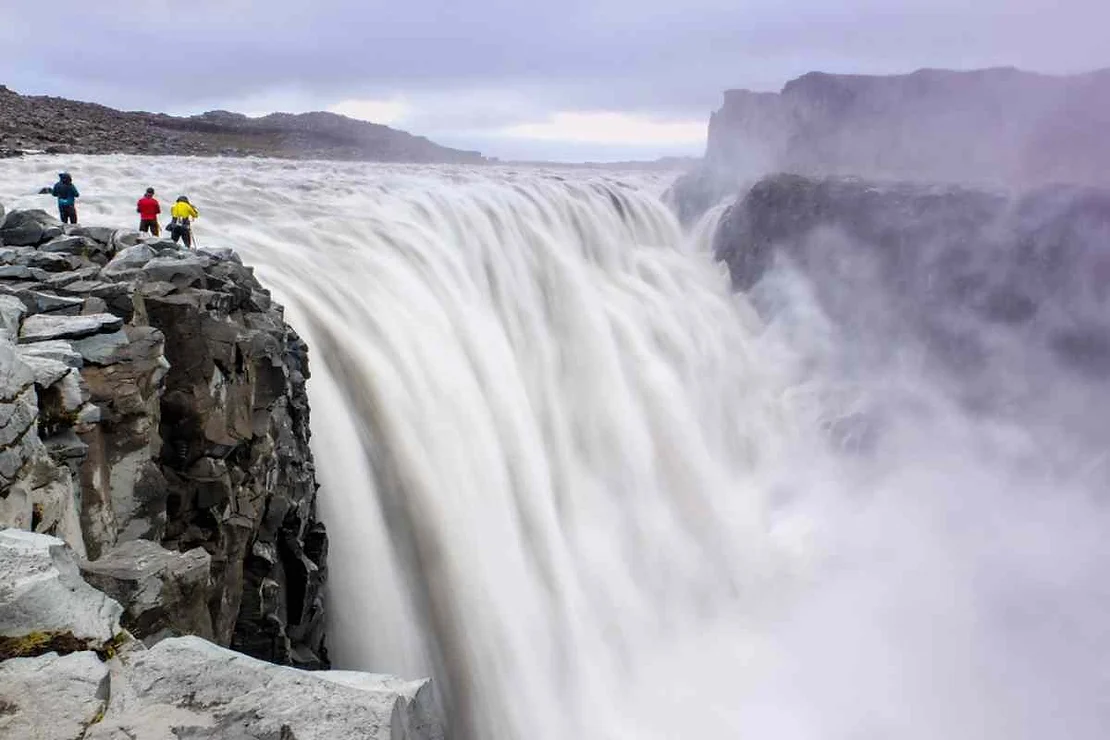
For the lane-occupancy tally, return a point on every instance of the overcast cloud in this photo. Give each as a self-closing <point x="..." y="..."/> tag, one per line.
<point x="516" y="79"/>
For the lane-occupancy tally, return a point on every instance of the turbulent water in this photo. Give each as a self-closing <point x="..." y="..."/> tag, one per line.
<point x="573" y="476"/>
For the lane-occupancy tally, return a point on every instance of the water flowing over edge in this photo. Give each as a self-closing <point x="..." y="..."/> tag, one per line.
<point x="567" y="471"/>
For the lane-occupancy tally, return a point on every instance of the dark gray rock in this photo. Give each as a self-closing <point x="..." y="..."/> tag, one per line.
<point x="187" y="271"/>
<point x="130" y="258"/>
<point x="17" y="272"/>
<point x="26" y="228"/>
<point x="99" y="234"/>
<point x="78" y="246"/>
<point x="40" y="302"/>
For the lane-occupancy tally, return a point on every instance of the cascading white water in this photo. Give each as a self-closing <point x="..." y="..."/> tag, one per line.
<point x="567" y="471"/>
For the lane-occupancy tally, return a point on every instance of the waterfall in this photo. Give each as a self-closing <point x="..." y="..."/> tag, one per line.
<point x="571" y="474"/>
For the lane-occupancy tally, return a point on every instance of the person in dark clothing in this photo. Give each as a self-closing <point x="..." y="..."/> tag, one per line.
<point x="148" y="209"/>
<point x="66" y="193"/>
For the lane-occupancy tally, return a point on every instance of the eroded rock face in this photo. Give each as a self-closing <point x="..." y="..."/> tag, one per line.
<point x="157" y="394"/>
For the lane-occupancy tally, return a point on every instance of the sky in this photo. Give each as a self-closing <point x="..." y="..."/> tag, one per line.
<point x="569" y="80"/>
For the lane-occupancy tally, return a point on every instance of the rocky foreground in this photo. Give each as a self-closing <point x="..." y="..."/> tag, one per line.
<point x="154" y="444"/>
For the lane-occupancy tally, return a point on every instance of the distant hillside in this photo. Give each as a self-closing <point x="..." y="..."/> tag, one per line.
<point x="1000" y="125"/>
<point x="58" y="125"/>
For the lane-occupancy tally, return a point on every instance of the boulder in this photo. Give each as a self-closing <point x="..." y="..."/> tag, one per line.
<point x="186" y="687"/>
<point x="129" y="258"/>
<point x="161" y="591"/>
<point x="52" y="697"/>
<point x="99" y="234"/>
<point x="78" y="246"/>
<point x="184" y="272"/>
<point x="221" y="254"/>
<point x="44" y="603"/>
<point x="17" y="272"/>
<point x="26" y="228"/>
<point x="46" y="326"/>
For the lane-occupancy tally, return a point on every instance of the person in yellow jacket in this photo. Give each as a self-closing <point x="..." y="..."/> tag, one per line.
<point x="181" y="227"/>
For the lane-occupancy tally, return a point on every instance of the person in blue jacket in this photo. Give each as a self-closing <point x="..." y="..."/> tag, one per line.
<point x="66" y="193"/>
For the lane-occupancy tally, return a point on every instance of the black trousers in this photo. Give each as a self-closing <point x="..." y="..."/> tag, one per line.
<point x="182" y="232"/>
<point x="68" y="214"/>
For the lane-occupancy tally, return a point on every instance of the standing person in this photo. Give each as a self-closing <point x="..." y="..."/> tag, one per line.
<point x="148" y="209"/>
<point x="66" y="193"/>
<point x="181" y="227"/>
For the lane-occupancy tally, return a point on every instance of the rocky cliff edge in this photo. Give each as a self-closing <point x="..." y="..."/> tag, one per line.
<point x="153" y="416"/>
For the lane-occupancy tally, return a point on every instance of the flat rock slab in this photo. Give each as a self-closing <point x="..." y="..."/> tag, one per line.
<point x="42" y="327"/>
<point x="47" y="371"/>
<point x="51" y="697"/>
<point x="186" y="687"/>
<point x="44" y="603"/>
<point x="37" y="302"/>
<point x="53" y="349"/>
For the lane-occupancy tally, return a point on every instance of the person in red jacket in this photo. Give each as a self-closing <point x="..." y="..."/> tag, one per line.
<point x="148" y="213"/>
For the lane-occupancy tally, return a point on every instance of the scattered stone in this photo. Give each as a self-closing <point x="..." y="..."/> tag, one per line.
<point x="45" y="326"/>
